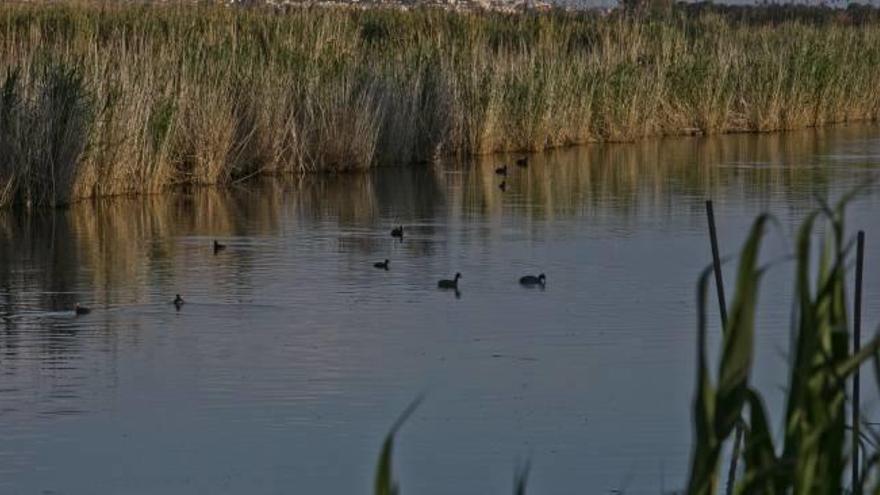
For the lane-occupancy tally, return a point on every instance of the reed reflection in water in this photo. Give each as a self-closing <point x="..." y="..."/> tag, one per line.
<point x="293" y="353"/>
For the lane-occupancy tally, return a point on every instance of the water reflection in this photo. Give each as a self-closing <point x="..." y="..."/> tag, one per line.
<point x="291" y="330"/>
<point x="120" y="251"/>
<point x="116" y="241"/>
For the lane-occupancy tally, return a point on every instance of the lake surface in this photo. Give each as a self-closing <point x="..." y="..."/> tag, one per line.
<point x="294" y="355"/>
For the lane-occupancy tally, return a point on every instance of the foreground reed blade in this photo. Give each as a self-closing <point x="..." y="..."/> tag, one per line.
<point x="521" y="478"/>
<point x="384" y="483"/>
<point x="812" y="457"/>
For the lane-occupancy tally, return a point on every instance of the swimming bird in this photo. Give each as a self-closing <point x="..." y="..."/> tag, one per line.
<point x="81" y="310"/>
<point x="531" y="280"/>
<point x="397" y="232"/>
<point x="449" y="284"/>
<point x="218" y="247"/>
<point x="381" y="264"/>
<point x="502" y="170"/>
<point x="503" y="186"/>
<point x="523" y="162"/>
<point x="178" y="301"/>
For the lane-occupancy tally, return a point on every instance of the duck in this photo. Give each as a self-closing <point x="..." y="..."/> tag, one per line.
<point x="523" y="162"/>
<point x="178" y="301"/>
<point x="218" y="247"/>
<point x="397" y="232"/>
<point x="503" y="186"/>
<point x="449" y="284"/>
<point x="531" y="280"/>
<point x="502" y="170"/>
<point x="81" y="310"/>
<point x="381" y="265"/>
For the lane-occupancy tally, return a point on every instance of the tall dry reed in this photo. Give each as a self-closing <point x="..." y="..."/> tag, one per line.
<point x="156" y="96"/>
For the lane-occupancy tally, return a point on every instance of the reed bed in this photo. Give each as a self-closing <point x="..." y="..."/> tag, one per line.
<point x="127" y="99"/>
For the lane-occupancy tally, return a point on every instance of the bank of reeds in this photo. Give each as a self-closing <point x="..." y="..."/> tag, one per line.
<point x="102" y="100"/>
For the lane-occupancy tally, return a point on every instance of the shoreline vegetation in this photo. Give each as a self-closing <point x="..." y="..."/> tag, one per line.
<point x="99" y="100"/>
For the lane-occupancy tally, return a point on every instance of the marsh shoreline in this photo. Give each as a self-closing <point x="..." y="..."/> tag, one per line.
<point x="134" y="99"/>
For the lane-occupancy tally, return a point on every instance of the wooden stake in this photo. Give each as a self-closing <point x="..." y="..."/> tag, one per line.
<point x="857" y="344"/>
<point x="722" y="307"/>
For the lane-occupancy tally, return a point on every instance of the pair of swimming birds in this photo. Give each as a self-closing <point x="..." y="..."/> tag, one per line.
<point x="521" y="162"/>
<point x="178" y="302"/>
<point x="527" y="280"/>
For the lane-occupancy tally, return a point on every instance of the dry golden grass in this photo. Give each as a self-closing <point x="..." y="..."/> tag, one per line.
<point x="156" y="96"/>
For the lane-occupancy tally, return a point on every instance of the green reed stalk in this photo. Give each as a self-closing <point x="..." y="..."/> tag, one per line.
<point x="811" y="454"/>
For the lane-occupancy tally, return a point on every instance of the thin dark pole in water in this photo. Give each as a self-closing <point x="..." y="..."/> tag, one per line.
<point x="716" y="261"/>
<point x="722" y="306"/>
<point x="857" y="344"/>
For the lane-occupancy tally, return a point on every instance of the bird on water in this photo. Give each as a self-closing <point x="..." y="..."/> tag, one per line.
<point x="81" y="310"/>
<point x="397" y="232"/>
<point x="381" y="265"/>
<point x="523" y="162"/>
<point x="531" y="280"/>
<point x="449" y="284"/>
<point x="218" y="247"/>
<point x="502" y="170"/>
<point x="178" y="301"/>
<point x="503" y="186"/>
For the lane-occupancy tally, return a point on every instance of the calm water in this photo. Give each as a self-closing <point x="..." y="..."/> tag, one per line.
<point x="294" y="355"/>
